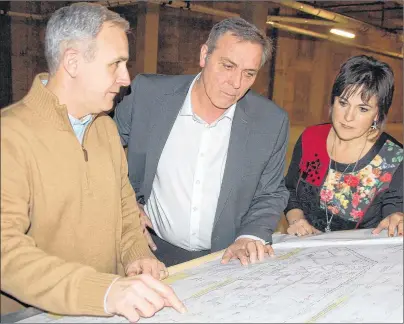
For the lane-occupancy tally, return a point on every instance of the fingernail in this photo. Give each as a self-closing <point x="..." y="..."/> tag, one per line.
<point x="391" y="235"/>
<point x="183" y="309"/>
<point x="400" y="234"/>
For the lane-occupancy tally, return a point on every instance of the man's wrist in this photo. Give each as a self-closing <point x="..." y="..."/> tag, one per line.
<point x="253" y="237"/>
<point x="106" y="296"/>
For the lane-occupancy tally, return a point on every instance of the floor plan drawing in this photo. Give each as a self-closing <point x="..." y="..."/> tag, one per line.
<point x="356" y="282"/>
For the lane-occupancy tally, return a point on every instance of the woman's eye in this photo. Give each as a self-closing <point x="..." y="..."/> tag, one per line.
<point x="342" y="103"/>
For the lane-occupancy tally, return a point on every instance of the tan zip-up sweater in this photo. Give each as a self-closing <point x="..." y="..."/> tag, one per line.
<point x="69" y="224"/>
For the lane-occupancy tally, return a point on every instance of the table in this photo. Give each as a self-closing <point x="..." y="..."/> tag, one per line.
<point x="347" y="276"/>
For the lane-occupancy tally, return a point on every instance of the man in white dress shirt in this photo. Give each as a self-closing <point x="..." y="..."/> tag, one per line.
<point x="206" y="155"/>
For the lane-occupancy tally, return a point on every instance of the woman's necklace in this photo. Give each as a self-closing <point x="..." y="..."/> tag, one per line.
<point x="329" y="219"/>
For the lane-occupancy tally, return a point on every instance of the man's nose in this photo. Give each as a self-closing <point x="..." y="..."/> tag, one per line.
<point x="235" y="80"/>
<point x="124" y="79"/>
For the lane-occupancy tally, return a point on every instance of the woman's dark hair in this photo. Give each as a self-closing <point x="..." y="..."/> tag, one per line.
<point x="372" y="77"/>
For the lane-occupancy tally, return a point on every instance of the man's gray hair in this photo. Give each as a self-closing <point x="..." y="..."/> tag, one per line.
<point x="79" y="22"/>
<point x="243" y="30"/>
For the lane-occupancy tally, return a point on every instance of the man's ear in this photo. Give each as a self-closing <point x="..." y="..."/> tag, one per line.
<point x="203" y="56"/>
<point x="71" y="61"/>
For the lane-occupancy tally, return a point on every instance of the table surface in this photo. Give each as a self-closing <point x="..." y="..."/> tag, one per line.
<point x="344" y="238"/>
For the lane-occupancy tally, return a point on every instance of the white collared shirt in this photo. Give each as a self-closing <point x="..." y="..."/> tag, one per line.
<point x="186" y="187"/>
<point x="80" y="125"/>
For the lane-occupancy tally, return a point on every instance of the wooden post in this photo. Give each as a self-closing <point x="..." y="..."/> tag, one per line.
<point x="147" y="33"/>
<point x="256" y="12"/>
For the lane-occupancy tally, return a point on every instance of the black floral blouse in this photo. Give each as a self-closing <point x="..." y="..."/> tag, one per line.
<point x="358" y="195"/>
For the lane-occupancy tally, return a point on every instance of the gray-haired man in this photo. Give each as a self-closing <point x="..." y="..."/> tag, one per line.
<point x="70" y="229"/>
<point x="206" y="155"/>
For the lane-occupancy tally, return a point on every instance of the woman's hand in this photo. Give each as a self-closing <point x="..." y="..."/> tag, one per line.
<point x="392" y="223"/>
<point x="301" y="227"/>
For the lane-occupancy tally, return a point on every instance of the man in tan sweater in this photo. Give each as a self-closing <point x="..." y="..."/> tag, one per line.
<point x="70" y="227"/>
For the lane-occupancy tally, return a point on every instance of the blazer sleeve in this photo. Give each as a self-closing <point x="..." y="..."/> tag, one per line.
<point x="292" y="177"/>
<point x="271" y="195"/>
<point x="123" y="113"/>
<point x="133" y="243"/>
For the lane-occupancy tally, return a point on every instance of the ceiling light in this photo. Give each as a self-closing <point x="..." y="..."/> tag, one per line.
<point x="342" y="33"/>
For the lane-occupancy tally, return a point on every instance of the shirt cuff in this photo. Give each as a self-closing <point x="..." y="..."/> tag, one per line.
<point x="251" y="237"/>
<point x="106" y="296"/>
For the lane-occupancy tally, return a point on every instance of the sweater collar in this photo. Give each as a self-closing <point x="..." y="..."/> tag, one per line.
<point x="46" y="104"/>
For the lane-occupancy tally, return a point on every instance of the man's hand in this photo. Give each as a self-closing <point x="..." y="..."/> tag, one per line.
<point x="391" y="223"/>
<point x="145" y="222"/>
<point x="141" y="296"/>
<point x="301" y="227"/>
<point x="150" y="266"/>
<point x="247" y="251"/>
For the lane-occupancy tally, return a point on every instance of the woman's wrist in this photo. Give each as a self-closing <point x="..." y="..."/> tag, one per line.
<point x="294" y="216"/>
<point x="295" y="221"/>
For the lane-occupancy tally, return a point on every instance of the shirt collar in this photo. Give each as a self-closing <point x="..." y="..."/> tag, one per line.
<point x="80" y="122"/>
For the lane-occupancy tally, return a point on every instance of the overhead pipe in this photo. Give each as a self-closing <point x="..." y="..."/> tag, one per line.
<point x="176" y="4"/>
<point x="22" y="15"/>
<point x="335" y="17"/>
<point x="295" y="20"/>
<point x="306" y="32"/>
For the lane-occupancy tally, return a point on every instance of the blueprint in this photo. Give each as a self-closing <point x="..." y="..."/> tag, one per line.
<point x="348" y="276"/>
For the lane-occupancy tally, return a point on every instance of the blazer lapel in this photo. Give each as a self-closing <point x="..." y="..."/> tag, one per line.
<point x="235" y="156"/>
<point x="170" y="105"/>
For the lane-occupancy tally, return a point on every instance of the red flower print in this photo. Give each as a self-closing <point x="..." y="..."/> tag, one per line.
<point x="333" y="209"/>
<point x="355" y="199"/>
<point x="377" y="172"/>
<point x="326" y="195"/>
<point x="351" y="180"/>
<point x="357" y="213"/>
<point x="386" y="177"/>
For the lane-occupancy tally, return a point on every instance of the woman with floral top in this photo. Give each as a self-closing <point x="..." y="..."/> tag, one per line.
<point x="349" y="174"/>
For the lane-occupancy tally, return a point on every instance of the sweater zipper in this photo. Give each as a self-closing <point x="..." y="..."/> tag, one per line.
<point x="85" y="153"/>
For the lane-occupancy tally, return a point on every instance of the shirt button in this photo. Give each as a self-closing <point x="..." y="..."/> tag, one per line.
<point x="197" y="182"/>
<point x="195" y="208"/>
<point x="202" y="154"/>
